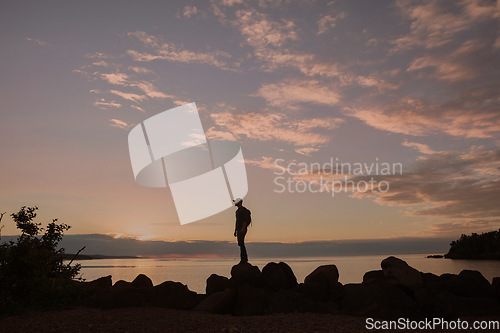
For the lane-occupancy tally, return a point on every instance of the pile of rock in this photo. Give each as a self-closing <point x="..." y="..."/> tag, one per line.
<point x="397" y="290"/>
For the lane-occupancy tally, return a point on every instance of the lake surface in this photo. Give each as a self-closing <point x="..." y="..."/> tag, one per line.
<point x="194" y="272"/>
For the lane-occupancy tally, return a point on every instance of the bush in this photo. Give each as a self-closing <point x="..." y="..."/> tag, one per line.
<point x="32" y="271"/>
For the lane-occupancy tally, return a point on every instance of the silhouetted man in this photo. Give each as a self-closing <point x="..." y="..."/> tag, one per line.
<point x="243" y="220"/>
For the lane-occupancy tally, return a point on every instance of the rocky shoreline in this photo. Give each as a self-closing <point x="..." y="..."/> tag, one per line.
<point x="395" y="291"/>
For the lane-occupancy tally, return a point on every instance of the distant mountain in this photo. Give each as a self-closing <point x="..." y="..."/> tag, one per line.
<point x="483" y="246"/>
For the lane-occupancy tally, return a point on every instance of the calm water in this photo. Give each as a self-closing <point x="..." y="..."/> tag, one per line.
<point x="194" y="272"/>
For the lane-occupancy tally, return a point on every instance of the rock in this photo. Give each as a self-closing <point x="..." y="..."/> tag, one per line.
<point x="278" y="276"/>
<point x="359" y="301"/>
<point x="120" y="284"/>
<point x="285" y="300"/>
<point x="449" y="306"/>
<point x="218" y="302"/>
<point x="100" y="283"/>
<point x="142" y="281"/>
<point x="398" y="272"/>
<point x="245" y="273"/>
<point x="174" y="295"/>
<point x="125" y="297"/>
<point x="469" y="284"/>
<point x="324" y="274"/>
<point x="322" y="284"/>
<point x="216" y="283"/>
<point x="373" y="276"/>
<point x="496" y="286"/>
<point x="394" y="302"/>
<point x="250" y="300"/>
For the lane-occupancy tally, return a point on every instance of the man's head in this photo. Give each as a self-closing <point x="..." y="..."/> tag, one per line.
<point x="238" y="202"/>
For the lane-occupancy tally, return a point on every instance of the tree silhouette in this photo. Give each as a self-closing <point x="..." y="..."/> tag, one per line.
<point x="32" y="271"/>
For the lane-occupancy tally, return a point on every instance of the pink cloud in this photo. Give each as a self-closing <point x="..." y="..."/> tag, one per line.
<point x="290" y="92"/>
<point x="275" y="127"/>
<point x="117" y="78"/>
<point x="170" y="52"/>
<point x="103" y="104"/>
<point x="119" y="124"/>
<point x="129" y="96"/>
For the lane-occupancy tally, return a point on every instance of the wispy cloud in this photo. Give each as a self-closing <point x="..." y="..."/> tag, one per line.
<point x="37" y="41"/>
<point x="129" y="96"/>
<point x="420" y="147"/>
<point x="291" y="92"/>
<point x="170" y="52"/>
<point x="103" y="104"/>
<point x="189" y="11"/>
<point x="455" y="185"/>
<point x="327" y="22"/>
<point x="433" y="26"/>
<point x="119" y="124"/>
<point x="117" y="78"/>
<point x="276" y="127"/>
<point x="472" y="114"/>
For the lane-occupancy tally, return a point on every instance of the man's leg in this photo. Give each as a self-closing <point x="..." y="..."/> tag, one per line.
<point x="241" y="243"/>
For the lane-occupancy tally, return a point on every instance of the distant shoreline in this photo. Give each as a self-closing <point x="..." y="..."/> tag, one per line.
<point x="70" y="256"/>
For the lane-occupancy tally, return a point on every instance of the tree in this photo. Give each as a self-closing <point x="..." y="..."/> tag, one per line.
<point x="32" y="270"/>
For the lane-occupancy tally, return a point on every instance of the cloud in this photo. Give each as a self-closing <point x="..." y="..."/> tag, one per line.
<point x="137" y="108"/>
<point x="433" y="26"/>
<point x="266" y="162"/>
<point x="37" y="41"/>
<point x="449" y="184"/>
<point x="260" y="32"/>
<point x="306" y="151"/>
<point x="276" y="127"/>
<point x="464" y="227"/>
<point x="119" y="124"/>
<point x="420" y="147"/>
<point x="291" y="92"/>
<point x="140" y="70"/>
<point x="473" y="114"/>
<point x="150" y="90"/>
<point x="470" y="60"/>
<point x="189" y="11"/>
<point x="170" y="52"/>
<point x="327" y="22"/>
<point x="117" y="78"/>
<point x="103" y="104"/>
<point x="129" y="96"/>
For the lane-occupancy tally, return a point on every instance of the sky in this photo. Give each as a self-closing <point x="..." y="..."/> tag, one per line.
<point x="411" y="84"/>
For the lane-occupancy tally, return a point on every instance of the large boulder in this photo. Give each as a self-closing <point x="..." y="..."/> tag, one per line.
<point x="278" y="276"/>
<point x="142" y="281"/>
<point x="218" y="302"/>
<point x="250" y="300"/>
<point x="322" y="284"/>
<point x="394" y="301"/>
<point x="469" y="284"/>
<point x="398" y="272"/>
<point x="373" y="276"/>
<point x="100" y="283"/>
<point x="174" y="295"/>
<point x="122" y="284"/>
<point x="245" y="273"/>
<point x="216" y="283"/>
<point x="359" y="301"/>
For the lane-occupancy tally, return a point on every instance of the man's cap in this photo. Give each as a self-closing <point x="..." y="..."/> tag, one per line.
<point x="237" y="200"/>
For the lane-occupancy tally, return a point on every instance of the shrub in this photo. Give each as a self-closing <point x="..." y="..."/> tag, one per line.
<point x="32" y="271"/>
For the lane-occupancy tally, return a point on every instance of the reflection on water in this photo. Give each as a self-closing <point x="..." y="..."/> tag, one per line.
<point x="194" y="272"/>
